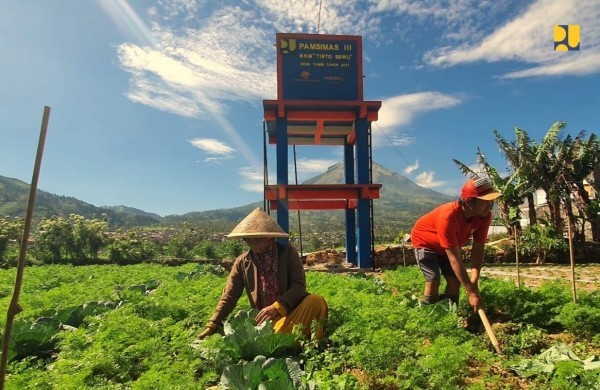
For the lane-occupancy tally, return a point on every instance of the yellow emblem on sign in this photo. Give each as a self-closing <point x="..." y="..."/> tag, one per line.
<point x="287" y="46"/>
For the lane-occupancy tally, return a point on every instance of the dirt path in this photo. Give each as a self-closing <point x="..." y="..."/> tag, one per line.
<point x="531" y="275"/>
<point x="586" y="275"/>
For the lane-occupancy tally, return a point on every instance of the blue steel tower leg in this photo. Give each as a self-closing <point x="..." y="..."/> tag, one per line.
<point x="350" y="213"/>
<point x="282" y="173"/>
<point x="362" y="168"/>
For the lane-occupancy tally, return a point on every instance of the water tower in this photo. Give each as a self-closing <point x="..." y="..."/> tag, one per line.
<point x="320" y="102"/>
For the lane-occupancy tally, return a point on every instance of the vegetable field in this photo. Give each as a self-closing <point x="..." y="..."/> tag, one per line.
<point x="134" y="327"/>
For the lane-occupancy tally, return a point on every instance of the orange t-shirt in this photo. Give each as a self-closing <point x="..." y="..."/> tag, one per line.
<point x="445" y="227"/>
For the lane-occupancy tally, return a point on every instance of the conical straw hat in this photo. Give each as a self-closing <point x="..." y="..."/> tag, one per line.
<point x="257" y="224"/>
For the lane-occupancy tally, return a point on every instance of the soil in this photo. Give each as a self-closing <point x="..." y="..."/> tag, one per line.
<point x="531" y="275"/>
<point x="587" y="276"/>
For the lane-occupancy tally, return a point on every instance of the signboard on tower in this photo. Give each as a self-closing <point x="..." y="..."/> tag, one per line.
<point x="319" y="67"/>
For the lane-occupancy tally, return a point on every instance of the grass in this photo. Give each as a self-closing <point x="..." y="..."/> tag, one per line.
<point x="378" y="334"/>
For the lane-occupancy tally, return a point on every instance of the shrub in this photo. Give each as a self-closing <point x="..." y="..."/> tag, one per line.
<point x="230" y="249"/>
<point x="542" y="242"/>
<point x="10" y="236"/>
<point x="130" y="249"/>
<point x="183" y="242"/>
<point x="582" y="318"/>
<point x="75" y="239"/>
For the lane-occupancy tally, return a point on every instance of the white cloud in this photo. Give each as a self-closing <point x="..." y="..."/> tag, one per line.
<point x="158" y="63"/>
<point x="224" y="60"/>
<point x="253" y="187"/>
<point x="308" y="168"/>
<point x="402" y="140"/>
<point x="477" y="168"/>
<point x="459" y="20"/>
<point x="217" y="159"/>
<point x="253" y="180"/>
<point x="251" y="174"/>
<point x="427" y="179"/>
<point x="452" y="191"/>
<point x="187" y="8"/>
<point x="411" y="168"/>
<point x="314" y="165"/>
<point x="587" y="63"/>
<point x="529" y="38"/>
<point x="336" y="16"/>
<point x="218" y="54"/>
<point x="400" y="111"/>
<point x="212" y="146"/>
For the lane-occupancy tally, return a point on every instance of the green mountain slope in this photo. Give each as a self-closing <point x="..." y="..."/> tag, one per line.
<point x="228" y="216"/>
<point x="133" y="212"/>
<point x="401" y="203"/>
<point x="14" y="197"/>
<point x="397" y="192"/>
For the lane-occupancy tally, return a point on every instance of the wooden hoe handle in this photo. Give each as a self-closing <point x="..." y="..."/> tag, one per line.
<point x="490" y="331"/>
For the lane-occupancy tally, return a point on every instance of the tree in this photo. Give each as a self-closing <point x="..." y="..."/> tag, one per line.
<point x="230" y="249"/>
<point x="10" y="231"/>
<point x="88" y="236"/>
<point x="58" y="239"/>
<point x="558" y="167"/>
<point x="51" y="239"/>
<point x="131" y="247"/>
<point x="519" y="155"/>
<point x="512" y="188"/>
<point x="183" y="242"/>
<point x="545" y="170"/>
<point x="537" y="166"/>
<point x="579" y="157"/>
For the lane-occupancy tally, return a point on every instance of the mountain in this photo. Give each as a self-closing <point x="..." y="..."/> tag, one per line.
<point x="14" y="197"/>
<point x="397" y="192"/>
<point x="133" y="212"/>
<point x="401" y="203"/>
<point x="232" y="215"/>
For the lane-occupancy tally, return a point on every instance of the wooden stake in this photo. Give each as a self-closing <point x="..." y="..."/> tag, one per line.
<point x="490" y="331"/>
<point x="517" y="258"/>
<point x="403" y="255"/>
<point x="574" y="286"/>
<point x="15" y="308"/>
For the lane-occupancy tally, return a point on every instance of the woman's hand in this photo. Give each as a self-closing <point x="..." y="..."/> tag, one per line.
<point x="268" y="313"/>
<point x="207" y="332"/>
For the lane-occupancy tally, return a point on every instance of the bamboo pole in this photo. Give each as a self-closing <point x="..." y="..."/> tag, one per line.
<point x="403" y="255"/>
<point x="517" y="258"/>
<point x="490" y="331"/>
<point x="573" y="284"/>
<point x="14" y="307"/>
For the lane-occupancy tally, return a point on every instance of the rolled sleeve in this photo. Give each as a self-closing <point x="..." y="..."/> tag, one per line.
<point x="231" y="294"/>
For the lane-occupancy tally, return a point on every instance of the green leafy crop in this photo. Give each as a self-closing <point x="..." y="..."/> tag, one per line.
<point x="247" y="340"/>
<point x="263" y="374"/>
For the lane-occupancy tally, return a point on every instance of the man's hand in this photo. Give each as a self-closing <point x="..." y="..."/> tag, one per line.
<point x="268" y="313"/>
<point x="207" y="332"/>
<point x="475" y="300"/>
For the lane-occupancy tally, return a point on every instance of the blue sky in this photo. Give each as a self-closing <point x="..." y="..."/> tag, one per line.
<point x="158" y="104"/>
